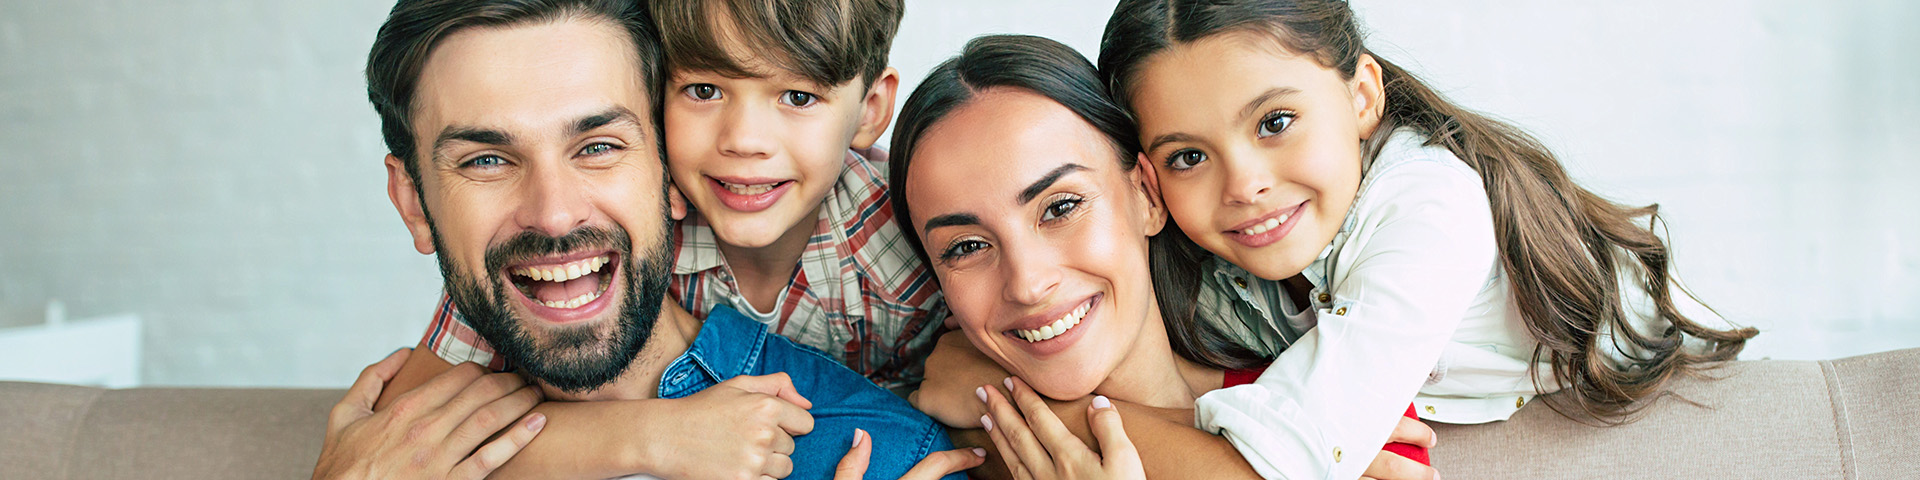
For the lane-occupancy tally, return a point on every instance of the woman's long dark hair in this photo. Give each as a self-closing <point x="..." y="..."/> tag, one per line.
<point x="1057" y="72"/>
<point x="1561" y="245"/>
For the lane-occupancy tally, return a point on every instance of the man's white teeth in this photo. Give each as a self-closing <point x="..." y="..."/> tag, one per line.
<point x="574" y="302"/>
<point x="569" y="271"/>
<point x="1058" y="327"/>
<point x="1270" y="224"/>
<point x="749" y="189"/>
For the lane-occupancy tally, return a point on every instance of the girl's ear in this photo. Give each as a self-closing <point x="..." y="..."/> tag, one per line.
<point x="877" y="108"/>
<point x="1147" y="182"/>
<point x="1369" y="94"/>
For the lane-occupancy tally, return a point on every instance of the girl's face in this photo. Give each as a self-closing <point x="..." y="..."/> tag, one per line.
<point x="1039" y="239"/>
<point x="1257" y="148"/>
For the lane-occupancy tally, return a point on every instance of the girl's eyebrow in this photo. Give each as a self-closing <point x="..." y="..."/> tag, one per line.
<point x="1253" y="106"/>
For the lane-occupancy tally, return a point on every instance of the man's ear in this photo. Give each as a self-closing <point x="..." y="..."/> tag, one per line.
<point x="1369" y="94"/>
<point x="1147" y="182"/>
<point x="406" y="199"/>
<point x="877" y="108"/>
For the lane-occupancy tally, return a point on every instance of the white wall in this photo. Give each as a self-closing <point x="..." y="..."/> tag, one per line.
<point x="213" y="167"/>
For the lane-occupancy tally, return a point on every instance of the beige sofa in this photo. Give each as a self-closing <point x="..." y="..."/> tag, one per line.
<point x="1847" y="418"/>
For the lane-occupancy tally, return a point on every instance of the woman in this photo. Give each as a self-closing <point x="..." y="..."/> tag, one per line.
<point x="1016" y="177"/>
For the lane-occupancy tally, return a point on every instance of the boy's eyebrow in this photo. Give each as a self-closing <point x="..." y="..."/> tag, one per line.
<point x="1027" y="194"/>
<point x="950" y="220"/>
<point x="608" y="117"/>
<point x="1254" y="105"/>
<point x="456" y="133"/>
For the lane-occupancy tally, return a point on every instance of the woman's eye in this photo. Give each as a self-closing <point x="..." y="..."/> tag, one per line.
<point x="1060" y="208"/>
<point x="702" y="91"/>
<point x="1185" y="159"/>
<point x="798" y="98"/>
<point x="962" y="248"/>
<point x="1275" y="123"/>
<point x="485" y="161"/>
<point x="595" y="149"/>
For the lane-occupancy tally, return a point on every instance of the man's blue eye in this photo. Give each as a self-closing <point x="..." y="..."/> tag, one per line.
<point x="487" y="161"/>
<point x="596" y="149"/>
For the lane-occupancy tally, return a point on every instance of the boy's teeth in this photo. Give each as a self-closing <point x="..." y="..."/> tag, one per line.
<point x="561" y="273"/>
<point x="1057" y="328"/>
<point x="749" y="189"/>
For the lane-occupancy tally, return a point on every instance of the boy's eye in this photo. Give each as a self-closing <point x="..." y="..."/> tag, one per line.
<point x="484" y="161"/>
<point x="703" y="91"/>
<point x="1274" y="123"/>
<point x="1185" y="158"/>
<point x="1060" y="208"/>
<point x="962" y="249"/>
<point x="798" y="98"/>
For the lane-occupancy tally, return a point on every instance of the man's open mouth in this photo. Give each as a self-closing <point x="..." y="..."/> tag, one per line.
<point x="565" y="285"/>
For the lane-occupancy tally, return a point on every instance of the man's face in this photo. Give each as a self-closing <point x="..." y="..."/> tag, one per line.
<point x="539" y="174"/>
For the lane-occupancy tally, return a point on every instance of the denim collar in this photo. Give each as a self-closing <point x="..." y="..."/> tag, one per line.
<point x="728" y="346"/>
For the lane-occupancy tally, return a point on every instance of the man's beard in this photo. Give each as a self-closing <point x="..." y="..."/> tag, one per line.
<point x="576" y="358"/>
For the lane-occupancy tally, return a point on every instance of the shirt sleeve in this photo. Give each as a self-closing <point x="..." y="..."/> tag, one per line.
<point x="452" y="339"/>
<point x="1422" y="247"/>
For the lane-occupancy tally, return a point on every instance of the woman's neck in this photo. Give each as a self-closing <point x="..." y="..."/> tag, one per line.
<point x="1153" y="375"/>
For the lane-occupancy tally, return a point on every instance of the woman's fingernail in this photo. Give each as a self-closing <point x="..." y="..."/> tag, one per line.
<point x="980" y="391"/>
<point x="859" y="436"/>
<point x="986" y="421"/>
<point x="1009" y="382"/>
<point x="1100" y="401"/>
<point x="536" y="422"/>
<point x="980" y="452"/>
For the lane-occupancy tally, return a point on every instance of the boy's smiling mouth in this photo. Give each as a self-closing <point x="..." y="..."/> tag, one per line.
<point x="749" y="194"/>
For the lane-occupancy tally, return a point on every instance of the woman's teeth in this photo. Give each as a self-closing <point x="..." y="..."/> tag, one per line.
<point x="1058" y="327"/>
<point x="1270" y="224"/>
<point x="749" y="189"/>
<point x="565" y="272"/>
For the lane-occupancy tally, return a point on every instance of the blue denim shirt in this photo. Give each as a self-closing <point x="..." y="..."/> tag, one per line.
<point x="732" y="345"/>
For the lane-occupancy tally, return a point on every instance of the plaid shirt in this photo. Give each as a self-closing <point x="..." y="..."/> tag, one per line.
<point x="860" y="293"/>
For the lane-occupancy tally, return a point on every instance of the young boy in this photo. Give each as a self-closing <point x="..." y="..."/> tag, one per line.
<point x="770" y="112"/>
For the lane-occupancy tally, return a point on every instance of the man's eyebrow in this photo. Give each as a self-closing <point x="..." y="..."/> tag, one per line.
<point x="610" y="116"/>
<point x="1026" y="195"/>
<point x="1253" y="106"/>
<point x="469" y="134"/>
<point x="950" y="220"/>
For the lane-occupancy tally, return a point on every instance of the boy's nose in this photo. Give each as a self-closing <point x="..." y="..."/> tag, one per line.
<point x="745" y="133"/>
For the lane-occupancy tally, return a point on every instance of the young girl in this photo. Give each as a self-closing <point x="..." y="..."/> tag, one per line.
<point x="1381" y="241"/>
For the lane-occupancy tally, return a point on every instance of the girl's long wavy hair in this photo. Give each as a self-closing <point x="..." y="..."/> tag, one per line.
<point x="1562" y="246"/>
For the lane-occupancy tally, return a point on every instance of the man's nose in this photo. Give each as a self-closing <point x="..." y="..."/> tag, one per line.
<point x="555" y="200"/>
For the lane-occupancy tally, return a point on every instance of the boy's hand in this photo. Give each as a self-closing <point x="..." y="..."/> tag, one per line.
<point x="745" y="428"/>
<point x="953" y="370"/>
<point x="853" y="466"/>
<point x="432" y="431"/>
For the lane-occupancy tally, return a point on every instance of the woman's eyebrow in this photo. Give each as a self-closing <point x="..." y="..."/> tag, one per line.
<point x="1027" y="194"/>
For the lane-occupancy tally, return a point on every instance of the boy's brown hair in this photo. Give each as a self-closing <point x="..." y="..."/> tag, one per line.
<point x="827" y="42"/>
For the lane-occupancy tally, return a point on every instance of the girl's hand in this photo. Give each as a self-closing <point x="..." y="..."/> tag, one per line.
<point x="937" y="465"/>
<point x="953" y="369"/>
<point x="1036" y="446"/>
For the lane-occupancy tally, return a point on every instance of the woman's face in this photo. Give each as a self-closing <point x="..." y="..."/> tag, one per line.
<point x="1257" y="148"/>
<point x="1038" y="237"/>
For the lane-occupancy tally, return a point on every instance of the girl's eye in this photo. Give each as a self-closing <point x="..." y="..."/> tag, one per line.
<point x="1275" y="123"/>
<point x="798" y="98"/>
<point x="485" y="161"/>
<point x="703" y="91"/>
<point x="962" y="249"/>
<point x="1060" y="208"/>
<point x="596" y="149"/>
<point x="1185" y="159"/>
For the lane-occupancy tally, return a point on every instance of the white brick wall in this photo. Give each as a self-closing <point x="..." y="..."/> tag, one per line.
<point x="213" y="166"/>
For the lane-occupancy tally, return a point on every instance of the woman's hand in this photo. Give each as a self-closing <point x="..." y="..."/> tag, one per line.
<point x="1036" y="446"/>
<point x="853" y="466"/>
<point x="954" y="368"/>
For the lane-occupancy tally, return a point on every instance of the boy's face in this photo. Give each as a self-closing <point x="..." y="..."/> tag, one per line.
<point x="757" y="155"/>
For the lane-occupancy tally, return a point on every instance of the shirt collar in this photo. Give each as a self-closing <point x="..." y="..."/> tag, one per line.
<point x="728" y="345"/>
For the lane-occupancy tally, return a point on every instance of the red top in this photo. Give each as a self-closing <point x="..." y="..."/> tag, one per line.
<point x="1411" y="451"/>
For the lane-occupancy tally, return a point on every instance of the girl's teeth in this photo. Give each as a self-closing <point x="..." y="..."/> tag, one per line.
<point x="1270" y="224"/>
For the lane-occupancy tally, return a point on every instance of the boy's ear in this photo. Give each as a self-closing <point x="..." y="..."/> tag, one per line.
<point x="406" y="199"/>
<point x="1147" y="182"/>
<point x="1369" y="94"/>
<point x="877" y="108"/>
<point x="676" y="203"/>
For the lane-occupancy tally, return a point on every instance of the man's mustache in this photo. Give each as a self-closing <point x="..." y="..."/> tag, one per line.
<point x="530" y="245"/>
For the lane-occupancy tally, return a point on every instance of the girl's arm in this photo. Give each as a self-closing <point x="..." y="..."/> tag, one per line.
<point x="1423" y="249"/>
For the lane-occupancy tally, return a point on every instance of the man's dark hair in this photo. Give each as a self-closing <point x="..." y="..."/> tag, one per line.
<point x="415" y="27"/>
<point x="827" y="42"/>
